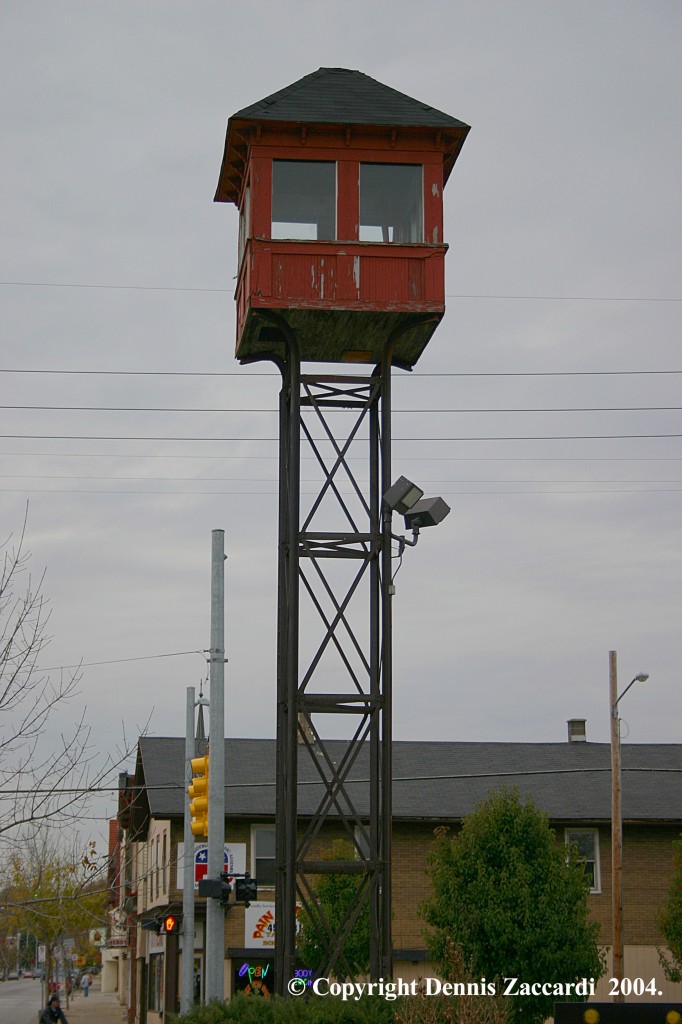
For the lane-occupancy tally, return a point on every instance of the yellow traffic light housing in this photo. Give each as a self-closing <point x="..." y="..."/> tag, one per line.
<point x="198" y="794"/>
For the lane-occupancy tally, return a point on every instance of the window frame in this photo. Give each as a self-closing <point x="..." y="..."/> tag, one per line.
<point x="569" y="833"/>
<point x="255" y="829"/>
<point x="244" y="222"/>
<point x="303" y="238"/>
<point x="419" y="194"/>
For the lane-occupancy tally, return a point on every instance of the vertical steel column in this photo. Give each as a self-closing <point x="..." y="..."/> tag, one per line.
<point x="338" y="571"/>
<point x="287" y="666"/>
<point x="387" y="672"/>
<point x="376" y="894"/>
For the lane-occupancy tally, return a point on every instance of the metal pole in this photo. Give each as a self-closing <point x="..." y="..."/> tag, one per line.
<point x="387" y="673"/>
<point x="287" y="660"/>
<point x="376" y="570"/>
<point x="215" y="913"/>
<point x="187" y="976"/>
<point x="616" y="831"/>
<point x="291" y="681"/>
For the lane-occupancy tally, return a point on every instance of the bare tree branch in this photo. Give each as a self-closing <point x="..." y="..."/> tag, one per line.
<point x="42" y="778"/>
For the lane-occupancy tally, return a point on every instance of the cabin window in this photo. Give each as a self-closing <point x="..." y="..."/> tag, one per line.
<point x="244" y="222"/>
<point x="263" y="854"/>
<point x="391" y="203"/>
<point x="587" y="841"/>
<point x="304" y="199"/>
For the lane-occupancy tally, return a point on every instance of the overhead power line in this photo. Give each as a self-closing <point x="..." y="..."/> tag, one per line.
<point x="521" y="773"/>
<point x="311" y="458"/>
<point x="261" y="494"/>
<point x="321" y="440"/>
<point x="407" y="376"/>
<point x="241" y="411"/>
<point x="228" y="291"/>
<point x="304" y="480"/>
<point x="118" y="661"/>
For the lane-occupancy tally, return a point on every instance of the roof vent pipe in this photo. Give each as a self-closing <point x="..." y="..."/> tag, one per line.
<point x="576" y="730"/>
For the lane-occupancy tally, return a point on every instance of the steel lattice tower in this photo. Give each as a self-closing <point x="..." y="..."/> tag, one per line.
<point x="339" y="183"/>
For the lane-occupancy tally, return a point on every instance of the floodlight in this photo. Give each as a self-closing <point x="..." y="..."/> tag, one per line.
<point x="402" y="495"/>
<point x="427" y="512"/>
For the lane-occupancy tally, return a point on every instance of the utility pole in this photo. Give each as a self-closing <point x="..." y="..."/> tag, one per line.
<point x="616" y="831"/>
<point x="187" y="977"/>
<point x="215" y="913"/>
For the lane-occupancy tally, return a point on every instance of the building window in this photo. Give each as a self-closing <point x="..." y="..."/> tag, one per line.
<point x="263" y="854"/>
<point x="587" y="842"/>
<point x="303" y="199"/>
<point x="391" y="203"/>
<point x="362" y="846"/>
<point x="165" y="864"/>
<point x="244" y="222"/>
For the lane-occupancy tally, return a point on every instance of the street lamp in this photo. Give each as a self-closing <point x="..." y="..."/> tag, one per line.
<point x="408" y="500"/>
<point x="617" y="821"/>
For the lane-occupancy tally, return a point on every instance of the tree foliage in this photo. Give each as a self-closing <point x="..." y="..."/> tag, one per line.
<point x="670" y="922"/>
<point x="513" y="900"/>
<point x="53" y="894"/>
<point x="347" y="916"/>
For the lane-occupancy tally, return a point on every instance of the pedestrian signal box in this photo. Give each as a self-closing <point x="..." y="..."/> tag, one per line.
<point x="171" y="924"/>
<point x="198" y="795"/>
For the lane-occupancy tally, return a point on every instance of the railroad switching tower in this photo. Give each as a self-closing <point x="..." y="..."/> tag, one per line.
<point x="339" y="184"/>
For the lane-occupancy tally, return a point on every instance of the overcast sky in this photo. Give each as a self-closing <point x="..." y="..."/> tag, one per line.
<point x="563" y="284"/>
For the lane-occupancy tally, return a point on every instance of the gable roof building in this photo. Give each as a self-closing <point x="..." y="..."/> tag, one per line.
<point x="435" y="784"/>
<point x="442" y="781"/>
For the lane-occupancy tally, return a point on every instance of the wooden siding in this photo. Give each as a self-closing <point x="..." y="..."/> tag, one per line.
<point x="335" y="282"/>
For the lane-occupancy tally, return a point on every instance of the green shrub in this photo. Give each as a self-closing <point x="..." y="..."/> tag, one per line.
<point x="315" y="1010"/>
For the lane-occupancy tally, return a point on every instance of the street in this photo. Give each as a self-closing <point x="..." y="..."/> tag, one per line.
<point x="20" y="1001"/>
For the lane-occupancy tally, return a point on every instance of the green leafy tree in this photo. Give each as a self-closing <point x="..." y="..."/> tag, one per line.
<point x="670" y="922"/>
<point x="514" y="902"/>
<point x="52" y="894"/>
<point x="337" y="897"/>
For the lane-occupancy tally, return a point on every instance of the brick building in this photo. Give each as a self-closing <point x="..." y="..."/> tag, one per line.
<point x="435" y="784"/>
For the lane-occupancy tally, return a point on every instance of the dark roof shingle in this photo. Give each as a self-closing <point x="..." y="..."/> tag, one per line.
<point x="341" y="96"/>
<point x="443" y="780"/>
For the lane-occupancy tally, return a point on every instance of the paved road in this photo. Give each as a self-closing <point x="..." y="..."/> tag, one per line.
<point x="20" y="1001"/>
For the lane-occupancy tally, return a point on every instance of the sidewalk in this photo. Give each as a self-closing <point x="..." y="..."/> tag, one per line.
<point x="99" y="1007"/>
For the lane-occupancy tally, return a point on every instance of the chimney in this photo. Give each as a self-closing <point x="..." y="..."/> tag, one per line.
<point x="576" y="730"/>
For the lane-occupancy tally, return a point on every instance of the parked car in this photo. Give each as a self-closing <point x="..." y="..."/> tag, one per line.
<point x="12" y="976"/>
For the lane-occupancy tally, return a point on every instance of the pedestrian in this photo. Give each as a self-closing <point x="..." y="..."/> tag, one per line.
<point x="85" y="984"/>
<point x="53" y="1012"/>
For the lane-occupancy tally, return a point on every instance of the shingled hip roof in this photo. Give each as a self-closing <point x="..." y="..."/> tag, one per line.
<point x="340" y="96"/>
<point x="330" y="98"/>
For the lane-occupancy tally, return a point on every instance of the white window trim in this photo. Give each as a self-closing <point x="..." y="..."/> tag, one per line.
<point x="252" y="858"/>
<point x="569" y="833"/>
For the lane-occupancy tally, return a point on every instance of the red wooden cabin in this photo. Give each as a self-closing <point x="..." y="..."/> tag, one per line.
<point x="339" y="184"/>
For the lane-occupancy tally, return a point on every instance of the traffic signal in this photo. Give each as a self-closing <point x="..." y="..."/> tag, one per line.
<point x="152" y="925"/>
<point x="215" y="889"/>
<point x="171" y="924"/>
<point x="246" y="889"/>
<point x="198" y="794"/>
